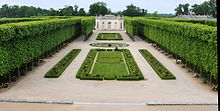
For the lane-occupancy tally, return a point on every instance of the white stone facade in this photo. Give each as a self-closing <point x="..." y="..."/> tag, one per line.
<point x="109" y="22"/>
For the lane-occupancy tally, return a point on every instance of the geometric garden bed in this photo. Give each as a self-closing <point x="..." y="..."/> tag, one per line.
<point x="109" y="64"/>
<point x="109" y="36"/>
<point x="158" y="67"/>
<point x="59" y="68"/>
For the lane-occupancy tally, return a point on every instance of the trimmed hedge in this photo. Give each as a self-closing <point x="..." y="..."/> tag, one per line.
<point x="87" y="65"/>
<point x="130" y="26"/>
<point x="196" y="44"/>
<point x="194" y="21"/>
<point x="58" y="69"/>
<point x="159" y="68"/>
<point x="134" y="70"/>
<point x="20" y="43"/>
<point x="16" y="20"/>
<point x="87" y="26"/>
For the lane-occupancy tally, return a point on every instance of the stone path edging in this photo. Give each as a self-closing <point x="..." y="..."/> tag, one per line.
<point x="70" y="102"/>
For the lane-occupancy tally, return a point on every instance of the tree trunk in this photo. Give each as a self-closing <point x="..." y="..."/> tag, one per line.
<point x="201" y="73"/>
<point x="194" y="68"/>
<point x="9" y="78"/>
<point x="26" y="68"/>
<point x="19" y="72"/>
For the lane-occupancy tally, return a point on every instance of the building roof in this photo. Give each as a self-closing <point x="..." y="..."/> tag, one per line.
<point x="110" y="17"/>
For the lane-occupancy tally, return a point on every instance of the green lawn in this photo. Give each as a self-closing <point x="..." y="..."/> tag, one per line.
<point x="110" y="64"/>
<point x="109" y="36"/>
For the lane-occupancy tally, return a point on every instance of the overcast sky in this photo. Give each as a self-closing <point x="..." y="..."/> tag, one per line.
<point x="162" y="6"/>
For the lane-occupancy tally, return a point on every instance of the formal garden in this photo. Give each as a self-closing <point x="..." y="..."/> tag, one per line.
<point x="109" y="36"/>
<point x="24" y="45"/>
<point x="108" y="55"/>
<point x="109" y="64"/>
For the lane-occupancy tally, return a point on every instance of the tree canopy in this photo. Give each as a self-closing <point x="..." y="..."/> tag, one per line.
<point x="133" y="11"/>
<point x="207" y="7"/>
<point x="28" y="11"/>
<point x="99" y="8"/>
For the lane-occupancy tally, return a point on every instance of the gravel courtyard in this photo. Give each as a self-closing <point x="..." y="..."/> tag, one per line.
<point x="184" y="90"/>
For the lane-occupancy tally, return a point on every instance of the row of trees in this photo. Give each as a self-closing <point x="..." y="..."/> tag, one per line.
<point x="207" y="7"/>
<point x="98" y="8"/>
<point x="27" y="11"/>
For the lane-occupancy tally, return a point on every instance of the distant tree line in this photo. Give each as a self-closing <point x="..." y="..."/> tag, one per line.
<point x="98" y="8"/>
<point x="205" y="8"/>
<point x="27" y="11"/>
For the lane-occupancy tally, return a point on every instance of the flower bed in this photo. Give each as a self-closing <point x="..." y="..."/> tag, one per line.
<point x="159" y="68"/>
<point x="58" y="69"/>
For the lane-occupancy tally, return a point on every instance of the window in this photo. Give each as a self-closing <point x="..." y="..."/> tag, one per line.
<point x="109" y="25"/>
<point x="97" y="25"/>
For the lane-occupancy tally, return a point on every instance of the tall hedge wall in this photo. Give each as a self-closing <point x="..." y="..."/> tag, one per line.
<point x="130" y="26"/>
<point x="194" y="21"/>
<point x="15" y="20"/>
<point x="194" y="43"/>
<point x="87" y="26"/>
<point x="22" y="42"/>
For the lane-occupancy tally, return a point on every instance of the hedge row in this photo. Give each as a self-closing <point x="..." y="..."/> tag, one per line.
<point x="85" y="68"/>
<point x="132" y="66"/>
<point x="16" y="20"/>
<point x="195" y="44"/>
<point x="194" y="21"/>
<point x="21" y="43"/>
<point x="159" y="68"/>
<point x="58" y="69"/>
<point x="87" y="26"/>
<point x="31" y="29"/>
<point x="130" y="26"/>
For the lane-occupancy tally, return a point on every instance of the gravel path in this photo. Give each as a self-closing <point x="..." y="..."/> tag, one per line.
<point x="51" y="107"/>
<point x="185" y="89"/>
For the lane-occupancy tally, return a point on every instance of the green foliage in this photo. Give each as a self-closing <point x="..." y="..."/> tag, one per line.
<point x="194" y="21"/>
<point x="87" y="64"/>
<point x="109" y="65"/>
<point x="130" y="26"/>
<point x="15" y="20"/>
<point x="16" y="11"/>
<point x="207" y="7"/>
<point x="98" y="8"/>
<point x="182" y="9"/>
<point x="82" y="12"/>
<point x="58" y="69"/>
<point x="133" y="68"/>
<point x="87" y="26"/>
<point x="22" y="42"/>
<point x="31" y="29"/>
<point x="194" y="43"/>
<point x="159" y="68"/>
<point x="133" y="11"/>
<point x="109" y="36"/>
